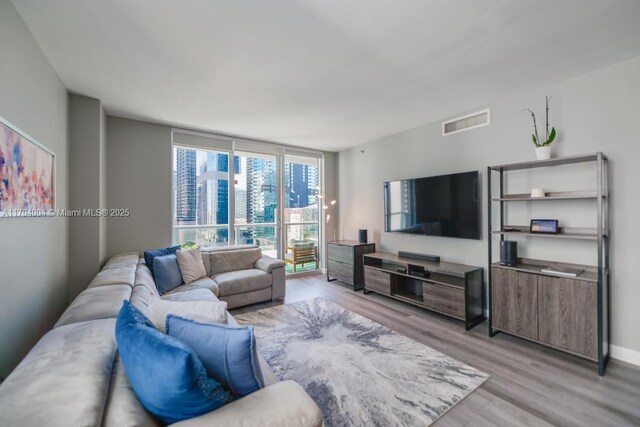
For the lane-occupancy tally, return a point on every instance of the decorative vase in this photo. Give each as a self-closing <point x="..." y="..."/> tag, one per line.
<point x="543" y="153"/>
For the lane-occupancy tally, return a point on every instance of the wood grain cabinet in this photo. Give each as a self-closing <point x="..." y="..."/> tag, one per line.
<point x="454" y="290"/>
<point x="568" y="315"/>
<point x="556" y="311"/>
<point x="344" y="261"/>
<point x="514" y="305"/>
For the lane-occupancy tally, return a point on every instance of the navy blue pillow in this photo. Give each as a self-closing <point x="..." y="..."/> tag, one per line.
<point x="168" y="274"/>
<point x="150" y="255"/>
<point x="228" y="353"/>
<point x="165" y="374"/>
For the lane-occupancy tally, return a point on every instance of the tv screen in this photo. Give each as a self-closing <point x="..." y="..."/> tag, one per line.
<point x="444" y="205"/>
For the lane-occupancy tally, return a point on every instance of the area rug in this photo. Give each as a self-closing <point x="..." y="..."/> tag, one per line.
<point x="359" y="372"/>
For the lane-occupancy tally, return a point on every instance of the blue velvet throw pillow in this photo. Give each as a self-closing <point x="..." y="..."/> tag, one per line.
<point x="150" y="255"/>
<point x="168" y="274"/>
<point x="228" y="353"/>
<point x="165" y="374"/>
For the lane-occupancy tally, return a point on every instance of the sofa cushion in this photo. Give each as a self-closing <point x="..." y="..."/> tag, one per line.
<point x="204" y="283"/>
<point x="282" y="404"/>
<point x="191" y="265"/>
<point x="150" y="255"/>
<point x="141" y="298"/>
<point x="124" y="258"/>
<point x="206" y="261"/>
<point x="165" y="374"/>
<point x="167" y="273"/>
<point x="115" y="275"/>
<point x="232" y="259"/>
<point x="64" y="380"/>
<point x="268" y="264"/>
<point x="123" y="408"/>
<point x="197" y="294"/>
<point x="95" y="303"/>
<point x="228" y="353"/>
<point x="144" y="278"/>
<point x="237" y="282"/>
<point x="247" y="298"/>
<point x="200" y="311"/>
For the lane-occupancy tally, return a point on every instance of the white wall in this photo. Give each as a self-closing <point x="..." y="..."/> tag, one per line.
<point x="598" y="111"/>
<point x="33" y="251"/>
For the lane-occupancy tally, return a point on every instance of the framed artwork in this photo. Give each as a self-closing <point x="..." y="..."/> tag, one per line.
<point x="27" y="174"/>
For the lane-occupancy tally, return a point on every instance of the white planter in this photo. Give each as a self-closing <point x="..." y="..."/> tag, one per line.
<point x="543" y="153"/>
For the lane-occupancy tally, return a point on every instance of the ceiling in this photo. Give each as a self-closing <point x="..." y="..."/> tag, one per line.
<point x="323" y="74"/>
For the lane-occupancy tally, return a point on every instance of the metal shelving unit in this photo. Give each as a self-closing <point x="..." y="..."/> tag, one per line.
<point x="599" y="234"/>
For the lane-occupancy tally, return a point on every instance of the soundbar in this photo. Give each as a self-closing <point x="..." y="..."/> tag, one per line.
<point x="415" y="255"/>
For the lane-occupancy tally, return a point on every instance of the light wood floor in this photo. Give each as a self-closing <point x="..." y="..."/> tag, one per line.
<point x="530" y="385"/>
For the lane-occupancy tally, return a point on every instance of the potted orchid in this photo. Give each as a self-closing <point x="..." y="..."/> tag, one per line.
<point x="543" y="148"/>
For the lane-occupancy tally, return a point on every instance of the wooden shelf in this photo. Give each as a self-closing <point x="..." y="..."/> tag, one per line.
<point x="560" y="195"/>
<point x="526" y="265"/>
<point x="551" y="162"/>
<point x="565" y="233"/>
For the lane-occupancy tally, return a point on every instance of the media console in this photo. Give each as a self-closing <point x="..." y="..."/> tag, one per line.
<point x="451" y="289"/>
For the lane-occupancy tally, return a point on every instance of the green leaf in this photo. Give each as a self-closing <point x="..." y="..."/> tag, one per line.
<point x="552" y="136"/>
<point x="535" y="141"/>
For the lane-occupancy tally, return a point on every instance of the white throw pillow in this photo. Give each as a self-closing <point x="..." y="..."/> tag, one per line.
<point x="199" y="311"/>
<point x="191" y="265"/>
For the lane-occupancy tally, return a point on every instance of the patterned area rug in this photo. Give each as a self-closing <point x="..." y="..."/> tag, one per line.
<point x="359" y="372"/>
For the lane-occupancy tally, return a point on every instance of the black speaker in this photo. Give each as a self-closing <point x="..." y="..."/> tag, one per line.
<point x="362" y="236"/>
<point x="508" y="252"/>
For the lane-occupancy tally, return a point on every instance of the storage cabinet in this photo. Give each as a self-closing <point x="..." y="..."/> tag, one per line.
<point x="568" y="314"/>
<point x="378" y="281"/>
<point x="565" y="307"/>
<point x="514" y="305"/>
<point x="454" y="290"/>
<point x="447" y="300"/>
<point x="556" y="311"/>
<point x="344" y="261"/>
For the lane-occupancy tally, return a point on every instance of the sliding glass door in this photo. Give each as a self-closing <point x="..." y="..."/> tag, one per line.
<point x="256" y="202"/>
<point x="232" y="197"/>
<point x="302" y="213"/>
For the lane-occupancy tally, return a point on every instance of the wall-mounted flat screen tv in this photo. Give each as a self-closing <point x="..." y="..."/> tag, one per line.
<point x="444" y="205"/>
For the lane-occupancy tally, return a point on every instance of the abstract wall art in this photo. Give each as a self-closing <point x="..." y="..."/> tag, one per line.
<point x="27" y="174"/>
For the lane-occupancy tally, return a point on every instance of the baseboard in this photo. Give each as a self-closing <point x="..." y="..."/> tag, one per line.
<point x="625" y="355"/>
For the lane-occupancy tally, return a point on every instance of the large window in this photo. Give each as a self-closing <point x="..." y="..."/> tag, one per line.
<point x="256" y="202"/>
<point x="269" y="200"/>
<point x="201" y="196"/>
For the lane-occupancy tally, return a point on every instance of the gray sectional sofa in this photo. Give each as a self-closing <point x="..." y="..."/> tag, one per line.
<point x="73" y="375"/>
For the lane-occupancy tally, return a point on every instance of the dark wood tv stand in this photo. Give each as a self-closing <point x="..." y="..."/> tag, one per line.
<point x="454" y="290"/>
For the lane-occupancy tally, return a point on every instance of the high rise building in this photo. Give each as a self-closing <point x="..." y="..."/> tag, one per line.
<point x="223" y="163"/>
<point x="185" y="186"/>
<point x="300" y="185"/>
<point x="261" y="190"/>
<point x="213" y="194"/>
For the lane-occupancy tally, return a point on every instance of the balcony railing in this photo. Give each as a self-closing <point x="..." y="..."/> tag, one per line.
<point x="263" y="235"/>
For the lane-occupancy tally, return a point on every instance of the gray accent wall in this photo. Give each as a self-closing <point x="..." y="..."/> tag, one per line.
<point x="598" y="111"/>
<point x="139" y="179"/>
<point x="34" y="251"/>
<point x="87" y="190"/>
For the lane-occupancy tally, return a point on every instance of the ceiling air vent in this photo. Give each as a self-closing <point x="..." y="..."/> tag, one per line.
<point x="468" y="122"/>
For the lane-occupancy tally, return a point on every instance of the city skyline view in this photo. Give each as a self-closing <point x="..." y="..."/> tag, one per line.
<point x="201" y="197"/>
